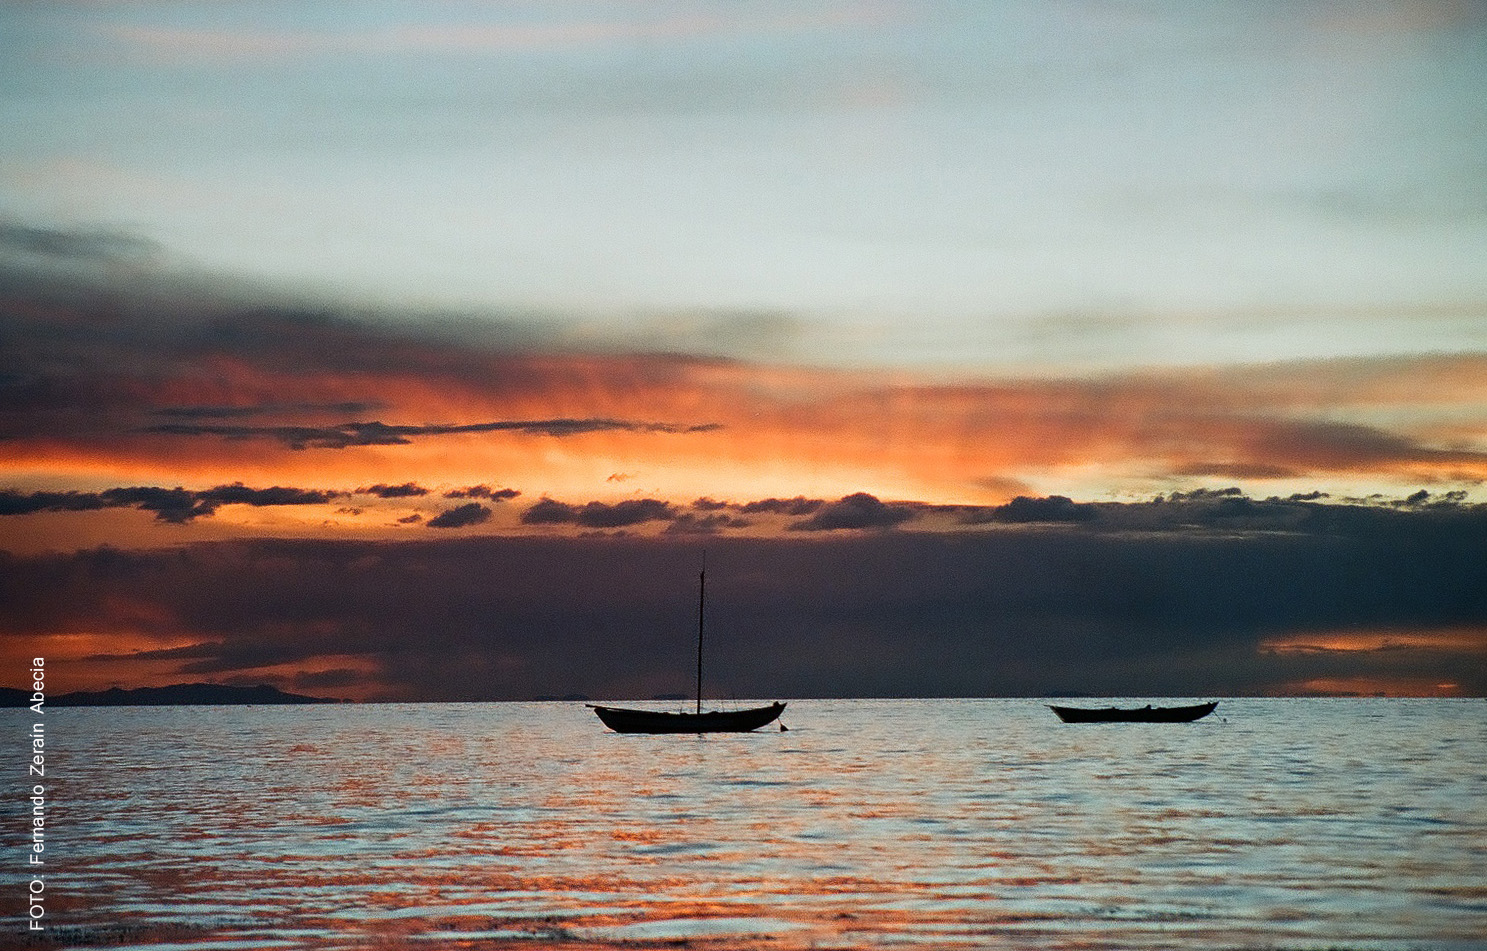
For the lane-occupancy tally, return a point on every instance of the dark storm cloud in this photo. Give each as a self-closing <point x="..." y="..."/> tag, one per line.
<point x="325" y="681"/>
<point x="1026" y="610"/>
<point x="175" y="505"/>
<point x="461" y="516"/>
<point x="859" y="510"/>
<point x="104" y="361"/>
<point x="345" y="435"/>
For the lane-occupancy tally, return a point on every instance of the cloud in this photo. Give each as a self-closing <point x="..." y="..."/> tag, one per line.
<point x="1332" y="445"/>
<point x="264" y="409"/>
<point x="105" y="367"/>
<point x="628" y="512"/>
<point x="1054" y="508"/>
<point x="550" y="512"/>
<point x="1228" y="508"/>
<point x="482" y="492"/>
<point x="169" y="505"/>
<point x="859" y="510"/>
<point x="1094" y="608"/>
<point x="1201" y="495"/>
<point x="599" y="514"/>
<point x="344" y="435"/>
<point x="688" y="523"/>
<point x="175" y="505"/>
<point x="13" y="502"/>
<point x="461" y="516"/>
<point x="796" y="506"/>
<point x="328" y="681"/>
<point x="79" y="245"/>
<point x="189" y="381"/>
<point x="404" y="491"/>
<point x="238" y="494"/>
<point x="1238" y="470"/>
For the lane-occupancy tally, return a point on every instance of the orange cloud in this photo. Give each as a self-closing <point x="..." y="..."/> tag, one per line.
<point x="684" y="429"/>
<point x="73" y="664"/>
<point x="1383" y="686"/>
<point x="1471" y="640"/>
<point x="276" y="397"/>
<point x="1388" y="663"/>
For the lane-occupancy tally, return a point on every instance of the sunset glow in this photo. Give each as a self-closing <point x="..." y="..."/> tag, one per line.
<point x="604" y="475"/>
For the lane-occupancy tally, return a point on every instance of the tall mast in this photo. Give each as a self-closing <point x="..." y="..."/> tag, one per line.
<point x="701" y="603"/>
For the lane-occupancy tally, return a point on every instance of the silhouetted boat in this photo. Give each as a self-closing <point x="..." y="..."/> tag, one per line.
<point x="623" y="720"/>
<point x="1146" y="714"/>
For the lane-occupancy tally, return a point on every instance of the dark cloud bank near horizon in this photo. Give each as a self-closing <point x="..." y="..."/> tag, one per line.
<point x="1018" y="611"/>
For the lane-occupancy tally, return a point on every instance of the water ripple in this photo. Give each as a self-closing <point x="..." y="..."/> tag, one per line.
<point x="930" y="824"/>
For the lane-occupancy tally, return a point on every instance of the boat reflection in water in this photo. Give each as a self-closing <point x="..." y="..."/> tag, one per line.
<point x="1146" y="714"/>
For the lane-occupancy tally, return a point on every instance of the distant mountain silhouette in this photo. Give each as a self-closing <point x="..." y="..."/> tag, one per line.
<point x="172" y="696"/>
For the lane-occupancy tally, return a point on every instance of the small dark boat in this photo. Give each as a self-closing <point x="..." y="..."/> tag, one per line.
<point x="1146" y="714"/>
<point x="622" y="720"/>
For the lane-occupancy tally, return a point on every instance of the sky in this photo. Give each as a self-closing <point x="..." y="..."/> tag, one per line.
<point x="417" y="351"/>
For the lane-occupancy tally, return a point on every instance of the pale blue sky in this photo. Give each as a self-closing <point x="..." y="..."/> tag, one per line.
<point x="977" y="185"/>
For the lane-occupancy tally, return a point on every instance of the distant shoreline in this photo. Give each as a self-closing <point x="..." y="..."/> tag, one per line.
<point x="173" y="696"/>
<point x="201" y="694"/>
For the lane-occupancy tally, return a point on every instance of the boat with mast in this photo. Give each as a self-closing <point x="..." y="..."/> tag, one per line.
<point x="625" y="720"/>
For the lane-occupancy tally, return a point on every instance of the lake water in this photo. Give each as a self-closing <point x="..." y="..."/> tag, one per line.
<point x="870" y="824"/>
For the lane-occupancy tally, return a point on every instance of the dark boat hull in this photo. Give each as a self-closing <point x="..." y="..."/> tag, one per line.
<point x="1136" y="715"/>
<point x="622" y="720"/>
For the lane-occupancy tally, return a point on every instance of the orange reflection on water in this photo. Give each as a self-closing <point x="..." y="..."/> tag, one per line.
<point x="922" y="825"/>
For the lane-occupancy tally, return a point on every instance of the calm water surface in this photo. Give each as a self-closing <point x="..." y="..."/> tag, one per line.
<point x="870" y="824"/>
